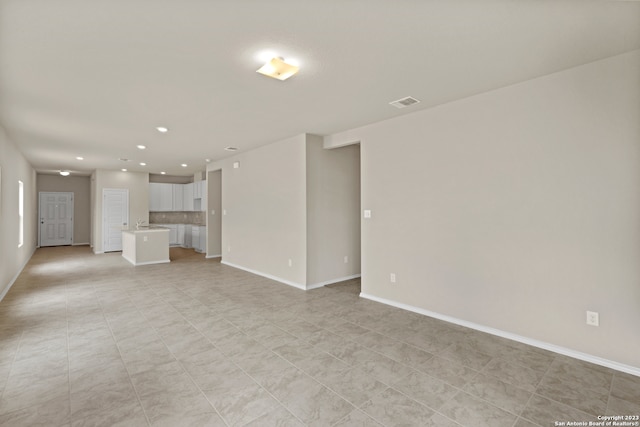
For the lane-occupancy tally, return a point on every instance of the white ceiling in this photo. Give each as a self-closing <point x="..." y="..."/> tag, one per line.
<point x="94" y="78"/>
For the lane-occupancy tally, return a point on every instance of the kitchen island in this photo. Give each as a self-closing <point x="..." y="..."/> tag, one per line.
<point x="146" y="245"/>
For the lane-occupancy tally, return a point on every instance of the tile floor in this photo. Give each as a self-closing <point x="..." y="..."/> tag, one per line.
<point x="90" y="340"/>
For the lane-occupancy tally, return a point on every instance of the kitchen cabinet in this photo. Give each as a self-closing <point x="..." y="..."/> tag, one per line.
<point x="160" y="197"/>
<point x="200" y="196"/>
<point x="187" y="236"/>
<point x="178" y="197"/>
<point x="188" y="197"/>
<point x="199" y="238"/>
<point x="181" y="234"/>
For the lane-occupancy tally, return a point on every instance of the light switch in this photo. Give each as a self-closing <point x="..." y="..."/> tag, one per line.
<point x="367" y="213"/>
<point x="236" y="165"/>
<point x="224" y="212"/>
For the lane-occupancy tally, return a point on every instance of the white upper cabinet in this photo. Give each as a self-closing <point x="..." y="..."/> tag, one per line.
<point x="177" y="197"/>
<point x="160" y="197"/>
<point x="188" y="197"/>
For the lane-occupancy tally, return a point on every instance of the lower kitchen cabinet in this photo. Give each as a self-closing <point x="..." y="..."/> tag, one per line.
<point x="187" y="236"/>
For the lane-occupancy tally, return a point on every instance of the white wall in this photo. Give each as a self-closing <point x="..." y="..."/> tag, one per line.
<point x="264" y="198"/>
<point x="517" y="209"/>
<point x="214" y="221"/>
<point x="333" y="212"/>
<point x="13" y="168"/>
<point x="138" y="185"/>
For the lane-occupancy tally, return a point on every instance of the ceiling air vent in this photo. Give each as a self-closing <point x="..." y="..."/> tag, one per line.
<point x="404" y="102"/>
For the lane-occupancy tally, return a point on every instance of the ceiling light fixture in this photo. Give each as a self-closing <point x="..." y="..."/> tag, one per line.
<point x="231" y="148"/>
<point x="143" y="164"/>
<point x="123" y="170"/>
<point x="65" y="173"/>
<point x="122" y="159"/>
<point x="184" y="165"/>
<point x="141" y="147"/>
<point x="278" y="69"/>
<point x="163" y="173"/>
<point x="207" y="160"/>
<point x="79" y="158"/>
<point x="162" y="129"/>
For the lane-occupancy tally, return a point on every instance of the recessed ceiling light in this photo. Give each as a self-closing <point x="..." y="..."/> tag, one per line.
<point x="122" y="159"/>
<point x="231" y="148"/>
<point x="162" y="129"/>
<point x="123" y="170"/>
<point x="184" y="165"/>
<point x="79" y="158"/>
<point x="143" y="164"/>
<point x="163" y="173"/>
<point x="65" y="173"/>
<point x="207" y="160"/>
<point x="278" y="69"/>
<point x="141" y="147"/>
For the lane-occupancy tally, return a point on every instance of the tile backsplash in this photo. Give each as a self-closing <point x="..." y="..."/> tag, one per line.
<point x="177" y="218"/>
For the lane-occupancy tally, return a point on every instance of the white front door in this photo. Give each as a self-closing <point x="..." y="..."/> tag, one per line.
<point x="115" y="217"/>
<point x="56" y="218"/>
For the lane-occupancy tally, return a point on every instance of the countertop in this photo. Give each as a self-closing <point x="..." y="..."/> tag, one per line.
<point x="146" y="229"/>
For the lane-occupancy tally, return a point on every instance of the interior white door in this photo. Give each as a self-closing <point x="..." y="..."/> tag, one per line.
<point x="115" y="217"/>
<point x="56" y="218"/>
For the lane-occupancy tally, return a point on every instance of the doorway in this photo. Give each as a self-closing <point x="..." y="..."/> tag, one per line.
<point x="55" y="227"/>
<point x="115" y="217"/>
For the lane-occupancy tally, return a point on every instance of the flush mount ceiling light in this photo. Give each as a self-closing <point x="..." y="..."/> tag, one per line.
<point x="79" y="158"/>
<point x="231" y="148"/>
<point x="143" y="164"/>
<point x="278" y="69"/>
<point x="141" y="147"/>
<point x="162" y="129"/>
<point x="163" y="173"/>
<point x="122" y="159"/>
<point x="123" y="170"/>
<point x="65" y="173"/>
<point x="184" y="165"/>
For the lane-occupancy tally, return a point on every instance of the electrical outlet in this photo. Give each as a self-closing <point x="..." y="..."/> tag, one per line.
<point x="367" y="213"/>
<point x="145" y="238"/>
<point x="392" y="277"/>
<point x="346" y="259"/>
<point x="290" y="262"/>
<point x="593" y="319"/>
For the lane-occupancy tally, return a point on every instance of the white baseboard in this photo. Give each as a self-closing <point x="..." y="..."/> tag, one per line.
<point x="214" y="256"/>
<point x="80" y="244"/>
<point x="14" y="278"/>
<point x="268" y="276"/>
<point x="150" y="262"/>
<point x="332" y="281"/>
<point x="633" y="370"/>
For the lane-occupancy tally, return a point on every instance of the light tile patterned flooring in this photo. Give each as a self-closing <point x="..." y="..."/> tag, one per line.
<point x="90" y="340"/>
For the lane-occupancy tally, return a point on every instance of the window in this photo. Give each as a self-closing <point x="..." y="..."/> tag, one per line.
<point x="21" y="213"/>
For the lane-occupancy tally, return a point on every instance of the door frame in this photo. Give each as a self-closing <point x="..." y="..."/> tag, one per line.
<point x="40" y="193"/>
<point x="104" y="216"/>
